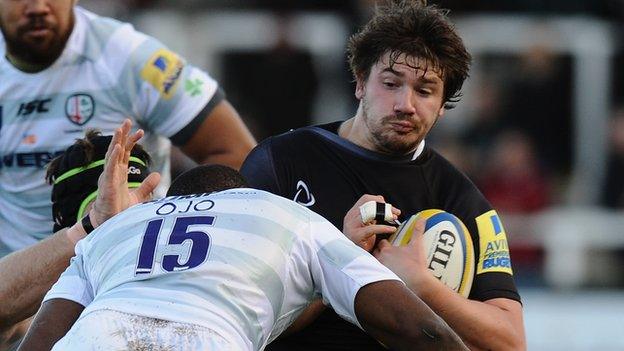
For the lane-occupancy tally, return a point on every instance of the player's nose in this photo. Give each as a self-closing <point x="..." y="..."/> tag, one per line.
<point x="404" y="102"/>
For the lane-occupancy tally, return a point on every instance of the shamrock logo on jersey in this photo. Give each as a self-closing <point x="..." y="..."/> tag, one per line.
<point x="193" y="87"/>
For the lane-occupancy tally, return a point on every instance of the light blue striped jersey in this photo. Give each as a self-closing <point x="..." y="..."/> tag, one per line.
<point x="243" y="262"/>
<point x="107" y="72"/>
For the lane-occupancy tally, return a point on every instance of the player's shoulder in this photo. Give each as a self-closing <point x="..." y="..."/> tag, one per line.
<point x="435" y="164"/>
<point x="447" y="184"/>
<point x="297" y="144"/>
<point x="97" y="22"/>
<point x="303" y="136"/>
<point x="104" y="33"/>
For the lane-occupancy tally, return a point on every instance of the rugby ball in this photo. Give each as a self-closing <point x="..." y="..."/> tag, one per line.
<point x="448" y="245"/>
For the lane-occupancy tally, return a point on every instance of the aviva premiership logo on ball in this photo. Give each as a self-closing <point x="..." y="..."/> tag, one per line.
<point x="448" y="246"/>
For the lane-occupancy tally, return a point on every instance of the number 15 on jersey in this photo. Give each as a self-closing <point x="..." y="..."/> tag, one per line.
<point x="199" y="244"/>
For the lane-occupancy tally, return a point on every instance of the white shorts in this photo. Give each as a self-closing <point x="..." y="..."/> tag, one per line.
<point x="108" y="330"/>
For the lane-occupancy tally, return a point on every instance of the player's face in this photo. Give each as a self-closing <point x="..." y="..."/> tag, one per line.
<point x="399" y="104"/>
<point x="36" y="31"/>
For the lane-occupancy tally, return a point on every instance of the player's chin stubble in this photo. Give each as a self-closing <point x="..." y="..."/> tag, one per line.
<point x="42" y="52"/>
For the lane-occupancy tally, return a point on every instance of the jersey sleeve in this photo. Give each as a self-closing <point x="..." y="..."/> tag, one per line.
<point x="259" y="169"/>
<point x="73" y="284"/>
<point x="493" y="271"/>
<point x="340" y="269"/>
<point x="170" y="96"/>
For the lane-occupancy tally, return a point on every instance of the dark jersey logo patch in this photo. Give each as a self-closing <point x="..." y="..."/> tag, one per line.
<point x="304" y="196"/>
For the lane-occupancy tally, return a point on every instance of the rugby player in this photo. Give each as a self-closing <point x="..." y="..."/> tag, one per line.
<point x="409" y="64"/>
<point x="64" y="70"/>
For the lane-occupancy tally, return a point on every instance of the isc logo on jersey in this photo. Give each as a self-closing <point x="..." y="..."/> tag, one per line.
<point x="448" y="245"/>
<point x="163" y="71"/>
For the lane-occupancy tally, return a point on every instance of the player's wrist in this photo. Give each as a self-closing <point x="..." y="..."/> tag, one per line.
<point x="424" y="285"/>
<point x="417" y="281"/>
<point x="97" y="217"/>
<point x="75" y="233"/>
<point x="82" y="228"/>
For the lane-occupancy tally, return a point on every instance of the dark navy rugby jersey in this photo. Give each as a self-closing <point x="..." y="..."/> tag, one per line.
<point x="319" y="169"/>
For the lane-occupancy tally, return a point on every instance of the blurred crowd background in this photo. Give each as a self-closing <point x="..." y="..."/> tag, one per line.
<point x="540" y="128"/>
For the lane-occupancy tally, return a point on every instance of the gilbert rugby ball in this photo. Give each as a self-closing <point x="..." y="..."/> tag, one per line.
<point x="450" y="254"/>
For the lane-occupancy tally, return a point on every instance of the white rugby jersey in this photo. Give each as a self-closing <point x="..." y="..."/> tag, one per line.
<point x="107" y="72"/>
<point x="243" y="263"/>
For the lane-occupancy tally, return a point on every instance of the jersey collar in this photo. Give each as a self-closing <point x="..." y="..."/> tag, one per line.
<point x="77" y="39"/>
<point x="419" y="150"/>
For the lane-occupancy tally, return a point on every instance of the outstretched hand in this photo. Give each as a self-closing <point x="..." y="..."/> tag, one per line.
<point x="113" y="193"/>
<point x="365" y="234"/>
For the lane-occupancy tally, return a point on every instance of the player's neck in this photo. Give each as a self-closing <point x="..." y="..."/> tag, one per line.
<point x="355" y="130"/>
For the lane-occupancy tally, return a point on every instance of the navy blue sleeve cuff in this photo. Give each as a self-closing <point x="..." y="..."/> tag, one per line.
<point x="186" y="133"/>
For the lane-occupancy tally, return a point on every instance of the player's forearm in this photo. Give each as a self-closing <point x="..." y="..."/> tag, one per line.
<point x="482" y="325"/>
<point x="26" y="276"/>
<point x="52" y="322"/>
<point x="426" y="334"/>
<point x="390" y="313"/>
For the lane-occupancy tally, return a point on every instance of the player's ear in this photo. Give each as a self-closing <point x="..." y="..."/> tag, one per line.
<point x="441" y="111"/>
<point x="360" y="87"/>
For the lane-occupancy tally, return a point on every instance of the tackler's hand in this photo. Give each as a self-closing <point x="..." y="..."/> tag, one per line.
<point x="113" y="193"/>
<point x="362" y="228"/>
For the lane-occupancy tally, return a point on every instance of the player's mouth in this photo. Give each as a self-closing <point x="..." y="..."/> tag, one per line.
<point x="402" y="126"/>
<point x="37" y="29"/>
<point x="38" y="32"/>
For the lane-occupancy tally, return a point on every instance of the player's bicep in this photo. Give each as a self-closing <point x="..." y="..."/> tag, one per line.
<point x="52" y="322"/>
<point x="218" y="135"/>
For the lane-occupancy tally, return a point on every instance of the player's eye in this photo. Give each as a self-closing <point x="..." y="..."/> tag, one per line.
<point x="390" y="84"/>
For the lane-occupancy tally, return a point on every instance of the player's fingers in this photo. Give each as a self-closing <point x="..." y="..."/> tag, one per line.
<point x="145" y="190"/>
<point x="419" y="227"/>
<point x="374" y="210"/>
<point x="134" y="138"/>
<point x="372" y="229"/>
<point x="382" y="244"/>
<point x="396" y="212"/>
<point x="419" y="231"/>
<point x="367" y="198"/>
<point x="125" y="141"/>
<point x="114" y="141"/>
<point x="110" y="165"/>
<point x="125" y="130"/>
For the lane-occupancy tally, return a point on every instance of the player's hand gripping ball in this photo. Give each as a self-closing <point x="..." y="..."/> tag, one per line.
<point x="450" y="254"/>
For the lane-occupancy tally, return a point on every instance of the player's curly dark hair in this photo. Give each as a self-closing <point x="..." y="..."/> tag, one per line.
<point x="420" y="32"/>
